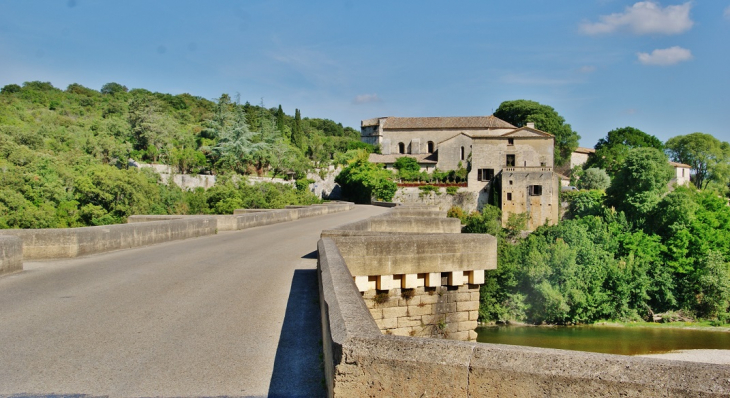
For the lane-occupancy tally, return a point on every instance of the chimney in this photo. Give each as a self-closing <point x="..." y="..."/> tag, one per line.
<point x="530" y="125"/>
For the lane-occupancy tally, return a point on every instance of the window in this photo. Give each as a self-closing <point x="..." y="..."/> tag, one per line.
<point x="509" y="195"/>
<point x="510" y="160"/>
<point x="431" y="147"/>
<point x="535" y="190"/>
<point x="485" y="174"/>
<point x="462" y="153"/>
<point x="401" y="147"/>
<point x="510" y="141"/>
<point x="510" y="182"/>
<point x="682" y="172"/>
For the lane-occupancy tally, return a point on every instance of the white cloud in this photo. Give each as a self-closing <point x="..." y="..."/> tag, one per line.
<point x="587" y="69"/>
<point x="366" y="98"/>
<point x="644" y="17"/>
<point x="667" y="56"/>
<point x="727" y="13"/>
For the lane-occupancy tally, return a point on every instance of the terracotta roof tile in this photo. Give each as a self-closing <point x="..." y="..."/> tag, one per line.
<point x="488" y="122"/>
<point x="675" y="164"/>
<point x="584" y="150"/>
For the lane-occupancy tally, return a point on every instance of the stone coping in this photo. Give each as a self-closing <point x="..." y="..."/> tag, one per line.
<point x="143" y="230"/>
<point x="249" y="218"/>
<point x="361" y="362"/>
<point x="394" y="222"/>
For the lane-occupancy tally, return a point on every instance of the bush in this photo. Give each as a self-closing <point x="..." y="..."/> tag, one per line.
<point x="362" y="180"/>
<point x="594" y="178"/>
<point x="456" y="212"/>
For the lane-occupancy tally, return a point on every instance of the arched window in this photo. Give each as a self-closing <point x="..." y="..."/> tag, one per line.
<point x="462" y="153"/>
<point x="431" y="147"/>
<point x="401" y="147"/>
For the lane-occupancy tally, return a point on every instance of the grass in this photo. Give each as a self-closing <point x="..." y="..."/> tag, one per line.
<point x="705" y="325"/>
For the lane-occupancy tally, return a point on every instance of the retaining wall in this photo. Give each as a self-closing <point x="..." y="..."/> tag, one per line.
<point x="362" y="362"/>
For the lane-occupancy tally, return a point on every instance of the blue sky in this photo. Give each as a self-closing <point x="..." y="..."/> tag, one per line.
<point x="660" y="66"/>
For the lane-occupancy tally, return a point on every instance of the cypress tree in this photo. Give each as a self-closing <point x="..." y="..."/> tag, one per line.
<point x="297" y="135"/>
<point x="280" y="119"/>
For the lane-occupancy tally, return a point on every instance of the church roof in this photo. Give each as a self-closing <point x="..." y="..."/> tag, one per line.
<point x="457" y="122"/>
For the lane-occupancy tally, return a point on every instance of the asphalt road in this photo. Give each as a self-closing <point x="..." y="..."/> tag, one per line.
<point x="234" y="314"/>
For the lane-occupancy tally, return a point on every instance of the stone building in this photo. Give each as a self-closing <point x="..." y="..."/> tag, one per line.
<point x="508" y="166"/>
<point x="580" y="156"/>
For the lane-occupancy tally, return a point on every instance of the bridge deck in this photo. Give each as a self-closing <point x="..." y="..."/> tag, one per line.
<point x="234" y="314"/>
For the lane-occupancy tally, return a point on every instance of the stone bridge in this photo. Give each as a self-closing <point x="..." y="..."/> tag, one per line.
<point x="330" y="300"/>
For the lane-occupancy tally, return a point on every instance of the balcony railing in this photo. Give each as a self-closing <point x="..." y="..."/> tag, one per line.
<point x="528" y="168"/>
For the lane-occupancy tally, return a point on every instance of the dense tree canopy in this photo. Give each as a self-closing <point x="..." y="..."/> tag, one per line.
<point x="640" y="183"/>
<point x="520" y="112"/>
<point x="708" y="157"/>
<point x="64" y="154"/>
<point x="612" y="150"/>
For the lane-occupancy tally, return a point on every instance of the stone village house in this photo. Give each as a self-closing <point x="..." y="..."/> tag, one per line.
<point x="516" y="162"/>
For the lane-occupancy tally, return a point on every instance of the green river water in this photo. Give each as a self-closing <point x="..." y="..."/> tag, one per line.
<point x="606" y="339"/>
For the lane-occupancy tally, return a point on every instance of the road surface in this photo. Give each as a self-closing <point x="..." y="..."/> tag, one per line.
<point x="235" y="314"/>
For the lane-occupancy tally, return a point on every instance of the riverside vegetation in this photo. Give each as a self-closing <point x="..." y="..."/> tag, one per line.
<point x="64" y="154"/>
<point x="631" y="252"/>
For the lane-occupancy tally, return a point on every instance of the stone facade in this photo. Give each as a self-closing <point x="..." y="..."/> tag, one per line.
<point x="488" y="148"/>
<point x="439" y="312"/>
<point x="580" y="156"/>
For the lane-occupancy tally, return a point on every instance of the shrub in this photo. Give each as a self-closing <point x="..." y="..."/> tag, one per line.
<point x="594" y="178"/>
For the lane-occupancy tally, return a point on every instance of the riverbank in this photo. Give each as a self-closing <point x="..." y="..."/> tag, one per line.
<point x="703" y="325"/>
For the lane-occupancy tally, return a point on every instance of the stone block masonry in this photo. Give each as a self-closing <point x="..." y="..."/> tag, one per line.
<point x="439" y="312"/>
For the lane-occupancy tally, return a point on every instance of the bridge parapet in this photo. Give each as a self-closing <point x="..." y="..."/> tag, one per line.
<point x="141" y="230"/>
<point x="418" y="275"/>
<point x="362" y="361"/>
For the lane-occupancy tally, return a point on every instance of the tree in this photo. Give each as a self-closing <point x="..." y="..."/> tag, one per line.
<point x="152" y="128"/>
<point x="612" y="150"/>
<point x="362" y="180"/>
<point x="113" y="88"/>
<point x="407" y="163"/>
<point x="594" y="178"/>
<point x="708" y="157"/>
<point x="297" y="134"/>
<point x="520" y="112"/>
<point x="10" y="88"/>
<point x="280" y="124"/>
<point x="640" y="183"/>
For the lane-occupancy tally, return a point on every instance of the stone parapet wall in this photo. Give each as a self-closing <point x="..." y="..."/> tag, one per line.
<point x="141" y="230"/>
<point x="413" y="254"/>
<point x="11" y="254"/>
<point x="439" y="312"/>
<point x="249" y="218"/>
<point x="73" y="242"/>
<point x="360" y="361"/>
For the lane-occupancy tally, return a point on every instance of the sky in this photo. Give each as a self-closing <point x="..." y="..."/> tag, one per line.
<point x="660" y="66"/>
